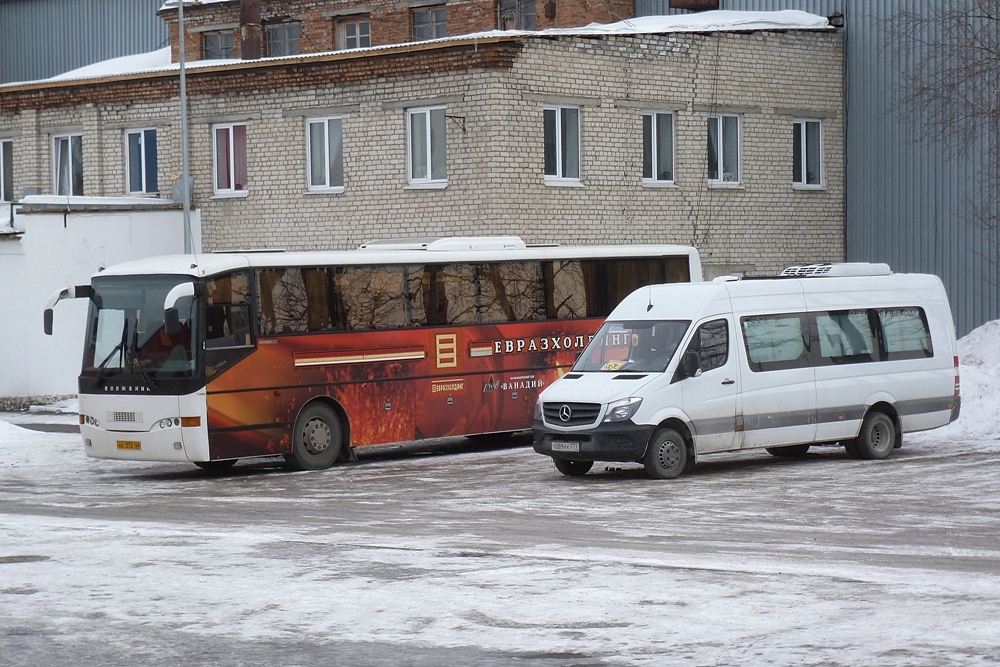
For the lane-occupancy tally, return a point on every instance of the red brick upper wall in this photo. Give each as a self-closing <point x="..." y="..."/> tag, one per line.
<point x="390" y="24"/>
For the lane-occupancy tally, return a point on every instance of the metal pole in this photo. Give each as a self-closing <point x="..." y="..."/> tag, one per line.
<point x="185" y="180"/>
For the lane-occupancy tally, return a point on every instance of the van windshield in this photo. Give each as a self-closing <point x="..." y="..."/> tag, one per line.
<point x="641" y="346"/>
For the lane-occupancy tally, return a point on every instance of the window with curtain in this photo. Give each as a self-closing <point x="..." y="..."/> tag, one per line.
<point x="724" y="149"/>
<point x="807" y="154"/>
<point x="325" y="154"/>
<point x="68" y="164"/>
<point x="140" y="161"/>
<point x="427" y="148"/>
<point x="230" y="158"/>
<point x="657" y="147"/>
<point x="561" y="143"/>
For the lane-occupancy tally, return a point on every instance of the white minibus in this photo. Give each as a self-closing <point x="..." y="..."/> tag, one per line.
<point x="849" y="354"/>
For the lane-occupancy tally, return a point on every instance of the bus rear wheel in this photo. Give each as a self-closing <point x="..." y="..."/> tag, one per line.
<point x="316" y="440"/>
<point x="877" y="437"/>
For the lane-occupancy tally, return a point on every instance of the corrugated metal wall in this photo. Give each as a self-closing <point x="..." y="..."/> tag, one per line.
<point x="906" y="204"/>
<point x="42" y="38"/>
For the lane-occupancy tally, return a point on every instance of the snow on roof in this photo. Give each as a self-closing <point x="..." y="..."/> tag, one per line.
<point x="710" y="21"/>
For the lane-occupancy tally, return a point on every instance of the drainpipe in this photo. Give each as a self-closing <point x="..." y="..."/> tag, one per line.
<point x="250" y="30"/>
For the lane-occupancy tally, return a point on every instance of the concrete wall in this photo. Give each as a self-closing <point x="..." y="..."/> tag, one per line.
<point x="55" y="251"/>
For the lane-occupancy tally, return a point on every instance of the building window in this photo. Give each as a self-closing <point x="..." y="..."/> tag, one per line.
<point x="724" y="150"/>
<point x="67" y="160"/>
<point x="562" y="143"/>
<point x="283" y="39"/>
<point x="427" y="146"/>
<point x="658" y="147"/>
<point x="429" y="23"/>
<point x="140" y="161"/>
<point x="325" y="153"/>
<point x="516" y="15"/>
<point x="217" y="45"/>
<point x="6" y="170"/>
<point x="355" y="33"/>
<point x="807" y="153"/>
<point x="230" y="144"/>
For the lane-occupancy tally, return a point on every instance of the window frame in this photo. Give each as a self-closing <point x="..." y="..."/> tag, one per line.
<point x="74" y="161"/>
<point x="720" y="159"/>
<point x="144" y="165"/>
<point x="800" y="148"/>
<point x="232" y="191"/>
<point x="561" y="154"/>
<point x="276" y="34"/>
<point x="327" y="185"/>
<point x="524" y="14"/>
<point x="226" y="46"/>
<point x="6" y="170"/>
<point x="342" y="39"/>
<point x="430" y="180"/>
<point x="651" y="140"/>
<point x="436" y="25"/>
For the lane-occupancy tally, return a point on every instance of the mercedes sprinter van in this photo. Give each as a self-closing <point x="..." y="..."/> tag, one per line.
<point x="848" y="354"/>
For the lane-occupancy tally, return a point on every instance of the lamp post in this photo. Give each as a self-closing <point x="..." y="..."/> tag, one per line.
<point x="185" y="178"/>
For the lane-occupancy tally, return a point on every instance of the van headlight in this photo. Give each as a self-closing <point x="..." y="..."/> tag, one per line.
<point x="537" y="416"/>
<point x="619" y="411"/>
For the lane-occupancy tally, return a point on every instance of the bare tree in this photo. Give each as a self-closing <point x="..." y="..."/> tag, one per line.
<point x="949" y="61"/>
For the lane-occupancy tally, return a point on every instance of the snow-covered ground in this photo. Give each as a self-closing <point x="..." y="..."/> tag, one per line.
<point x="490" y="557"/>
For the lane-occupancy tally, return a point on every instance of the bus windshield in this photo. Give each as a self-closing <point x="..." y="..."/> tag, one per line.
<point x="640" y="346"/>
<point x="126" y="333"/>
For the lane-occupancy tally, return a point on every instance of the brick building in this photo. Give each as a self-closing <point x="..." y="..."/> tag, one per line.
<point x="730" y="139"/>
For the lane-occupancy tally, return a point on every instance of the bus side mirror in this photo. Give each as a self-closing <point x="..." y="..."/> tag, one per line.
<point x="78" y="292"/>
<point x="171" y="318"/>
<point x="691" y="364"/>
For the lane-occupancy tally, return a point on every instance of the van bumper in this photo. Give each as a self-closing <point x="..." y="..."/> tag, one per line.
<point x="621" y="441"/>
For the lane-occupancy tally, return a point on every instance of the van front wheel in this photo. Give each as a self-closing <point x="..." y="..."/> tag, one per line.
<point x="667" y="455"/>
<point x="877" y="437"/>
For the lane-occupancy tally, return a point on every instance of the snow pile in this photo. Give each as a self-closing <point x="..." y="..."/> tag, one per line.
<point x="979" y="370"/>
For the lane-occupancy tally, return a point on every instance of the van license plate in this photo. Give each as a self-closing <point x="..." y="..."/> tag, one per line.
<point x="129" y="444"/>
<point x="564" y="446"/>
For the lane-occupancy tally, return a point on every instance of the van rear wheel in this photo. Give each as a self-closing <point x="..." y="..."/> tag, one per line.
<point x="667" y="455"/>
<point x="877" y="437"/>
<point x="573" y="468"/>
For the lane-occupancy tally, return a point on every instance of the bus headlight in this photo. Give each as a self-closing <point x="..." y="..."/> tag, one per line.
<point x="622" y="410"/>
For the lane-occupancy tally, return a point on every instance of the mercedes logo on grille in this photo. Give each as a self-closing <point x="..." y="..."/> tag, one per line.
<point x="565" y="413"/>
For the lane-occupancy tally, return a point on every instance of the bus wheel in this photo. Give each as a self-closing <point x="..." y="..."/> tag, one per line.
<point x="877" y="438"/>
<point x="792" y="451"/>
<point x="573" y="468"/>
<point x="667" y="455"/>
<point x="216" y="465"/>
<point x="317" y="439"/>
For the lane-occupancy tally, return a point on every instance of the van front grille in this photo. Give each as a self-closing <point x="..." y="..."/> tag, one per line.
<point x="571" y="414"/>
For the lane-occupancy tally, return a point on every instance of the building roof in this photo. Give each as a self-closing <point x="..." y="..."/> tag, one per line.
<point x="712" y="21"/>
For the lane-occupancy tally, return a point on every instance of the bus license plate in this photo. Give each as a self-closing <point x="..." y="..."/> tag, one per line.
<point x="129" y="444"/>
<point x="564" y="446"/>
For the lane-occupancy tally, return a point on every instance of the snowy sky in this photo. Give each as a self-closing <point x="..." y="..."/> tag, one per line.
<point x="711" y="21"/>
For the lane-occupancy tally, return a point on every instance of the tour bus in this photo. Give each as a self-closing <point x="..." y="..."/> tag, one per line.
<point x="211" y="358"/>
<point x="848" y="354"/>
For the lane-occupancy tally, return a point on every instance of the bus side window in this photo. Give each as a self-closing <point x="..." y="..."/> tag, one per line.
<point x="227" y="315"/>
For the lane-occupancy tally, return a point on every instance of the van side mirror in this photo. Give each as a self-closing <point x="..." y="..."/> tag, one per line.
<point x="691" y="364"/>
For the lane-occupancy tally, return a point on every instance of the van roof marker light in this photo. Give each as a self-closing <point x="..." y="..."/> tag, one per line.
<point x="841" y="269"/>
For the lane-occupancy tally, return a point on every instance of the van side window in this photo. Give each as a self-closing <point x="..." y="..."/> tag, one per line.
<point x="904" y="333"/>
<point x="776" y="342"/>
<point x="845" y="337"/>
<point x="712" y="339"/>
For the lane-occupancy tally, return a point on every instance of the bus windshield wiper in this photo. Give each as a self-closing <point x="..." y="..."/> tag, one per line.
<point x="118" y="348"/>
<point x="133" y="361"/>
